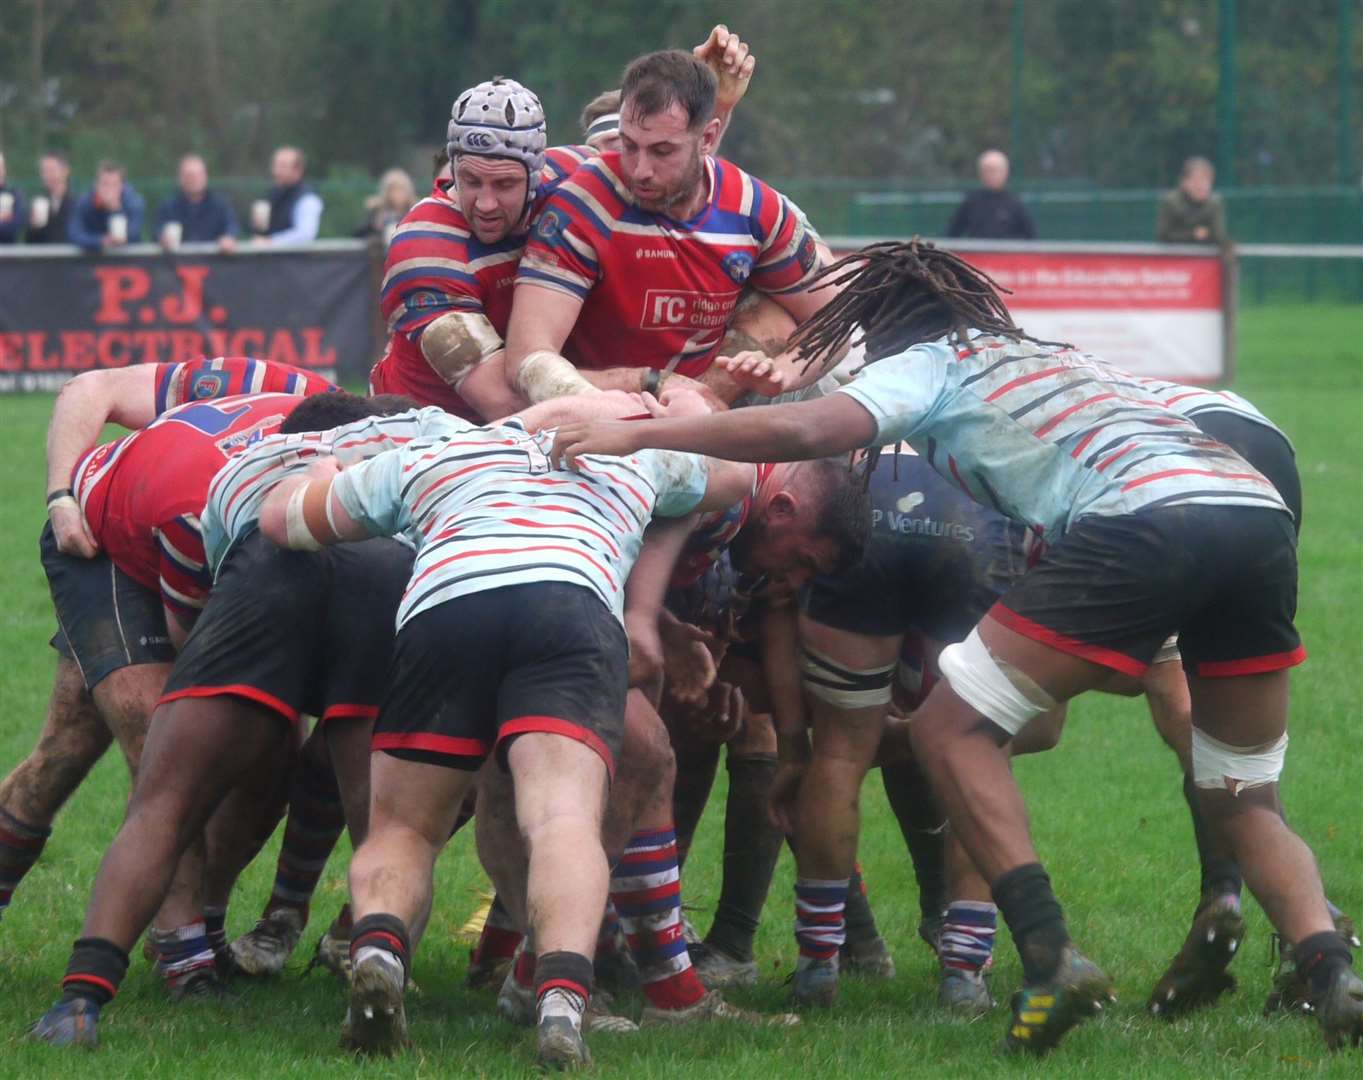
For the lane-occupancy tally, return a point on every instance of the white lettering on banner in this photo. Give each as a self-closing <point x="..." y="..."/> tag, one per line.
<point x="671" y="309"/>
<point x="922" y="526"/>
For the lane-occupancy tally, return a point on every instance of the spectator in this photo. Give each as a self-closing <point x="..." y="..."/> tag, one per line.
<point x="601" y="122"/>
<point x="49" y="214"/>
<point x="992" y="212"/>
<point x="203" y="215"/>
<point x="110" y="216"/>
<point x="11" y="208"/>
<point x="292" y="212"/>
<point x="387" y="206"/>
<point x="1192" y="213"/>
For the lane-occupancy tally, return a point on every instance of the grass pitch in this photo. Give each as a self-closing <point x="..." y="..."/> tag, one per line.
<point x="1106" y="809"/>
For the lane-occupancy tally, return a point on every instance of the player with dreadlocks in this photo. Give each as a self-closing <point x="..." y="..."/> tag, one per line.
<point x="1152" y="528"/>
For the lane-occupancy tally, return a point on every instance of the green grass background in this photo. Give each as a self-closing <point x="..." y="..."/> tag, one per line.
<point x="1106" y="809"/>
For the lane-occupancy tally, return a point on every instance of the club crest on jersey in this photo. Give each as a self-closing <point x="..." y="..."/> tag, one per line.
<point x="207" y="386"/>
<point x="738" y="265"/>
<point x="550" y="225"/>
<point x="808" y="253"/>
<point x="425" y="299"/>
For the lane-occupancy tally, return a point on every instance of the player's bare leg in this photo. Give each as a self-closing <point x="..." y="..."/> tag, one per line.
<point x="560" y="786"/>
<point x="72" y="740"/>
<point x="197" y="749"/>
<point x="412" y="809"/>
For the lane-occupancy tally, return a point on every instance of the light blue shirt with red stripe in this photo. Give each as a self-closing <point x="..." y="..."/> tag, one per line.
<point x="1046" y="434"/>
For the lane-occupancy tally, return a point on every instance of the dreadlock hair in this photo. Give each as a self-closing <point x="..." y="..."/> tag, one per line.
<point x="900" y="294"/>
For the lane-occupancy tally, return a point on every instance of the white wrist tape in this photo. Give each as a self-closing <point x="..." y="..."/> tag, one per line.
<point x="1235" y="768"/>
<point x="843" y="687"/>
<point x="296" y="529"/>
<point x="545" y="374"/>
<point x="998" y="691"/>
<point x="65" y="500"/>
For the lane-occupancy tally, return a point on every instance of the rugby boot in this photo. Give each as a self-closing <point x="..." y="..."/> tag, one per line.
<point x="70" y="1022"/>
<point x="484" y="974"/>
<point x="713" y="1007"/>
<point x="560" y="1045"/>
<point x="266" y="948"/>
<point x="332" y="954"/>
<point x="717" y="970"/>
<point x="816" y="984"/>
<point x="614" y="967"/>
<point x="1042" y="1013"/>
<point x="516" y="1005"/>
<point x="964" y="992"/>
<point x="375" y="1021"/>
<point x="1290" y="991"/>
<point x="870" y="958"/>
<point x="203" y="984"/>
<point x="1340" y="1010"/>
<point x="1197" y="976"/>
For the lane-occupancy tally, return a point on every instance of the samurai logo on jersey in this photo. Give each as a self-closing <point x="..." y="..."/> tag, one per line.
<point x="665" y="309"/>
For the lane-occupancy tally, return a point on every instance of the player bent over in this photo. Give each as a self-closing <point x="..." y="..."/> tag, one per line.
<point x="1153" y="528"/>
<point x="510" y="642"/>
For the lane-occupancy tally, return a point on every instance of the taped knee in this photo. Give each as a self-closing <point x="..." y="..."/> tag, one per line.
<point x="844" y="687"/>
<point x="995" y="689"/>
<point x="1220" y="766"/>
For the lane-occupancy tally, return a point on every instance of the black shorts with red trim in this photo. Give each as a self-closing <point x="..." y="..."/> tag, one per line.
<point x="1263" y="447"/>
<point x="474" y="672"/>
<point x="297" y="632"/>
<point x="1114" y="588"/>
<point x="105" y="619"/>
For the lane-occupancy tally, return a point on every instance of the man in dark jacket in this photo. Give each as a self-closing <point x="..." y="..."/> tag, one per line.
<point x="292" y="210"/>
<point x="49" y="211"/>
<point x="992" y="212"/>
<point x="203" y="215"/>
<point x="1192" y="213"/>
<point x="11" y="208"/>
<point x="110" y="216"/>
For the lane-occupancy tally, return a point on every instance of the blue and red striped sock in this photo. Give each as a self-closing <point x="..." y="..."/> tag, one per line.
<point x="646" y="891"/>
<point x="967" y="941"/>
<point x="182" y="953"/>
<point x="820" y="926"/>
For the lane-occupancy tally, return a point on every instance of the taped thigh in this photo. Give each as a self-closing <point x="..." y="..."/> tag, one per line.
<point x="1218" y="765"/>
<point x="845" y="687"/>
<point x="995" y="689"/>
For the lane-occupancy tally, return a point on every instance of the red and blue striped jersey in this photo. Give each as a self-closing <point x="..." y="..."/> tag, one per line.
<point x="657" y="292"/>
<point x="713" y="534"/>
<point x="143" y="494"/>
<point x="231" y="376"/>
<point x="436" y="265"/>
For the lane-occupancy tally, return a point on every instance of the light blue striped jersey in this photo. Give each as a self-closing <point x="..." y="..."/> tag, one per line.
<point x="488" y="510"/>
<point x="1046" y="434"/>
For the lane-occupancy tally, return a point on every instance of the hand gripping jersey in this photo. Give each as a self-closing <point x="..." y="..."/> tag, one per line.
<point x="489" y="511"/>
<point x="231" y="376"/>
<point x="1047" y="435"/>
<point x="658" y="292"/>
<point x="142" y="494"/>
<point x="235" y="495"/>
<point x="436" y="265"/>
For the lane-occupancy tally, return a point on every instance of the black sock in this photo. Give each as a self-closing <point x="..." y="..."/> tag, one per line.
<point x="751" y="847"/>
<point x="563" y="970"/>
<point x="382" y="932"/>
<point x="1320" y="956"/>
<point x="95" y="971"/>
<point x="1034" y="918"/>
<point x="690" y="793"/>
<point x="924" y="827"/>
<point x="859" y="920"/>
<point x="1220" y="874"/>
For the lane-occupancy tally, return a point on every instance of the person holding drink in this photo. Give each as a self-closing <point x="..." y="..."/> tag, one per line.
<point x="110" y="216"/>
<point x="11" y="208"/>
<point x="195" y="214"/>
<point x="49" y="212"/>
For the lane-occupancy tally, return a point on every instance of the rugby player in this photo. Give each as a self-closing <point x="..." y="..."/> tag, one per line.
<point x="1152" y="528"/>
<point x="510" y="641"/>
<point x="446" y="292"/>
<point x="637" y="261"/>
<point x="124" y="562"/>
